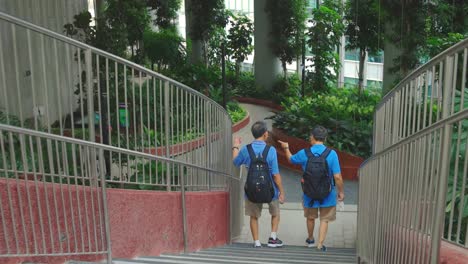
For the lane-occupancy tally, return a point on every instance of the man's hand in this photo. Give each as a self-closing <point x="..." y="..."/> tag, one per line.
<point x="281" y="198"/>
<point x="340" y="196"/>
<point x="284" y="145"/>
<point x="237" y="142"/>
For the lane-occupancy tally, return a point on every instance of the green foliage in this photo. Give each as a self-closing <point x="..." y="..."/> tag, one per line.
<point x="239" y="44"/>
<point x="147" y="175"/>
<point x="162" y="48"/>
<point x="423" y="29"/>
<point x="284" y="88"/>
<point x="206" y="16"/>
<point x="236" y="112"/>
<point x="287" y="19"/>
<point x="324" y="35"/>
<point x="363" y="32"/>
<point x="98" y="37"/>
<point x="214" y="47"/>
<point x="436" y="45"/>
<point x="165" y="11"/>
<point x="346" y="113"/>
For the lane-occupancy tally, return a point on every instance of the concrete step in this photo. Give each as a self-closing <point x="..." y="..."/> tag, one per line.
<point x="244" y="253"/>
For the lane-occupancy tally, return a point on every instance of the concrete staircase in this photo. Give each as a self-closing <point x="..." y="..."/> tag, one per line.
<point x="244" y="253"/>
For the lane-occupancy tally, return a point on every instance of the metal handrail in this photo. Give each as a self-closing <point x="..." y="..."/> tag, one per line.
<point x="81" y="142"/>
<point x="451" y="50"/>
<point x="418" y="157"/>
<point x="192" y="131"/>
<point x="77" y="43"/>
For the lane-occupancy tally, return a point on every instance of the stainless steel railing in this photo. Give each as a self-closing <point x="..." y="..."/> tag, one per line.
<point x="82" y="118"/>
<point x="56" y="84"/>
<point x="413" y="190"/>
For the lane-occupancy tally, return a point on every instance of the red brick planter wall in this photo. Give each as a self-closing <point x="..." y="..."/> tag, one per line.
<point x="262" y="102"/>
<point x="142" y="222"/>
<point x="349" y="163"/>
<point x="241" y="124"/>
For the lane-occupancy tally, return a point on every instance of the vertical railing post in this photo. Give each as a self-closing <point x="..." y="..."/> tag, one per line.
<point x="167" y="111"/>
<point x="208" y="140"/>
<point x="184" y="208"/>
<point x="90" y="94"/>
<point x="437" y="229"/>
<point x="102" y="175"/>
<point x="377" y="239"/>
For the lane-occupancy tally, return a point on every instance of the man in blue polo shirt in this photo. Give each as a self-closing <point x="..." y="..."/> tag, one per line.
<point x="254" y="210"/>
<point x="327" y="208"/>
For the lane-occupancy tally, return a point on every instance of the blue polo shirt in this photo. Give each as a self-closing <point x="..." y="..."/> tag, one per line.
<point x="258" y="146"/>
<point x="300" y="158"/>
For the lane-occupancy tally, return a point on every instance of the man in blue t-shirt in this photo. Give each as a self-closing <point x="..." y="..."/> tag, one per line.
<point x="327" y="208"/>
<point x="254" y="210"/>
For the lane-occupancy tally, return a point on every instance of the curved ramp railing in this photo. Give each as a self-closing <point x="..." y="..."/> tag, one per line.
<point x="82" y="118"/>
<point x="52" y="83"/>
<point x="413" y="190"/>
<point x="53" y="192"/>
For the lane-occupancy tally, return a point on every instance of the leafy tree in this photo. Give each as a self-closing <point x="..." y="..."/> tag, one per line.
<point x="324" y="35"/>
<point x="240" y="39"/>
<point x="162" y="47"/>
<point x="165" y="11"/>
<point x="215" y="43"/>
<point x="362" y="30"/>
<point x="203" y="18"/>
<point x="287" y="18"/>
<point x="132" y="15"/>
<point x="98" y="36"/>
<point x="424" y="29"/>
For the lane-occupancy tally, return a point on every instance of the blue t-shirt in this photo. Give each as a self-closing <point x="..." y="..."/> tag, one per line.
<point x="258" y="146"/>
<point x="300" y="158"/>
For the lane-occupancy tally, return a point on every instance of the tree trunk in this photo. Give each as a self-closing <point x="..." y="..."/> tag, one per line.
<point x="285" y="70"/>
<point x="362" y="60"/>
<point x="238" y="66"/>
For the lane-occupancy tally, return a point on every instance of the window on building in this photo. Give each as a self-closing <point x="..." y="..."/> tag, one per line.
<point x="351" y="54"/>
<point x="375" y="57"/>
<point x="371" y="84"/>
<point x="350" y="82"/>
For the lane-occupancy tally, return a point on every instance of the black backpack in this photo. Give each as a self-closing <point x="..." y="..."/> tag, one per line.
<point x="259" y="186"/>
<point x="317" y="183"/>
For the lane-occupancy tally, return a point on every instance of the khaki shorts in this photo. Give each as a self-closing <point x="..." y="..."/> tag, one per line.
<point x="255" y="209"/>
<point x="326" y="213"/>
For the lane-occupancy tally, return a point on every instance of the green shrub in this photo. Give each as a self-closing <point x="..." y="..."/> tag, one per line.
<point x="347" y="115"/>
<point x="236" y="112"/>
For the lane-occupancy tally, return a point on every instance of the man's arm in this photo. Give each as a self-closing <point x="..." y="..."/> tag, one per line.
<point x="235" y="148"/>
<point x="339" y="184"/>
<point x="279" y="183"/>
<point x="285" y="146"/>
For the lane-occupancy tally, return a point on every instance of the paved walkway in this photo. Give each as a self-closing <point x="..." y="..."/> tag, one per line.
<point x="292" y="230"/>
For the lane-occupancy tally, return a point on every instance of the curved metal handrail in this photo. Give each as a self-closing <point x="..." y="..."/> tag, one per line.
<point x="452" y="50"/>
<point x="59" y="138"/>
<point x="77" y="43"/>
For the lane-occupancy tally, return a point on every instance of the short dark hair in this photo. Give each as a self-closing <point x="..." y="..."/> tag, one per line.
<point x="258" y="129"/>
<point x="319" y="133"/>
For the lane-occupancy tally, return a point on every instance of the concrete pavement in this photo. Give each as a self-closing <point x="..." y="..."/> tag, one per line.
<point x="292" y="230"/>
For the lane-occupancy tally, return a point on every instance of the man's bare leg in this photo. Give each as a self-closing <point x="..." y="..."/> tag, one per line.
<point x="275" y="223"/>
<point x="323" y="232"/>
<point x="254" y="227"/>
<point x="310" y="227"/>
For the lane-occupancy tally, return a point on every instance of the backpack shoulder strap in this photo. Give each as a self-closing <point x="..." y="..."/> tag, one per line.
<point x="265" y="152"/>
<point x="251" y="152"/>
<point x="308" y="153"/>
<point x="325" y="153"/>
